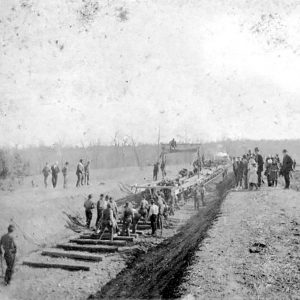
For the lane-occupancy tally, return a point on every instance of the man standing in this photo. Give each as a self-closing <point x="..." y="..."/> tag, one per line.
<point x="235" y="170"/>
<point x="115" y="210"/>
<point x="153" y="212"/>
<point x="55" y="170"/>
<point x="108" y="221"/>
<point x="8" y="245"/>
<point x="88" y="205"/>
<point x="240" y="172"/>
<point x="87" y="173"/>
<point x="197" y="198"/>
<point x="163" y="168"/>
<point x="143" y="210"/>
<point x="260" y="165"/>
<point x="127" y="219"/>
<point x="202" y="194"/>
<point x="135" y="219"/>
<point x="79" y="173"/>
<point x="161" y="208"/>
<point x="245" y="171"/>
<point x="287" y="167"/>
<point x="46" y="172"/>
<point x="65" y="174"/>
<point x="101" y="205"/>
<point x="155" y="171"/>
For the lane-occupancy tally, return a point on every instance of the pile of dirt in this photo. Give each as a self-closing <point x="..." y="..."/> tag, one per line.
<point x="155" y="273"/>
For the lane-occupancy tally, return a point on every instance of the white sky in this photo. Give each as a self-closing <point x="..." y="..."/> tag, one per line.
<point x="199" y="71"/>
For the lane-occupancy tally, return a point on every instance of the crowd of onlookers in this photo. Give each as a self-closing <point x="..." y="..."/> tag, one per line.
<point x="249" y="168"/>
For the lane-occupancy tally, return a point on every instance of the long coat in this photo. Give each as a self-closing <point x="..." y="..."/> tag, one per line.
<point x="253" y="178"/>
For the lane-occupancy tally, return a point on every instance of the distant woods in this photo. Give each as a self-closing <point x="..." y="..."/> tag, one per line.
<point x="17" y="163"/>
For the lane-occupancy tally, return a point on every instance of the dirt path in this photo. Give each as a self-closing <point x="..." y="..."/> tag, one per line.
<point x="223" y="266"/>
<point x="152" y="274"/>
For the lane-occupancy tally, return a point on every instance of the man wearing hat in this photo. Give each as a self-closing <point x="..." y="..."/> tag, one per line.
<point x="79" y="173"/>
<point x="101" y="205"/>
<point x="287" y="167"/>
<point x="10" y="249"/>
<point x="55" y="170"/>
<point x="153" y="212"/>
<point x="260" y="165"/>
<point x="127" y="219"/>
<point x="89" y="206"/>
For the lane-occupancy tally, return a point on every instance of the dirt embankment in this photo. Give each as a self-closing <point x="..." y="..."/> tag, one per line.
<point x="155" y="273"/>
<point x="252" y="251"/>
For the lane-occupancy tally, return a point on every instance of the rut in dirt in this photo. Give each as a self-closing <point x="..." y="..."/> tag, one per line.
<point x="157" y="273"/>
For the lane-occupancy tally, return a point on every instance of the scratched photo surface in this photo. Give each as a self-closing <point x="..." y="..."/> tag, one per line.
<point x="112" y="82"/>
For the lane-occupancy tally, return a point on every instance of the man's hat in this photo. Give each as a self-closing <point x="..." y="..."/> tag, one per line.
<point x="11" y="228"/>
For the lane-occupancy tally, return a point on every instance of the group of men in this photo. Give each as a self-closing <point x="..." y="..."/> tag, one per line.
<point x="82" y="173"/>
<point x="153" y="210"/>
<point x="248" y="169"/>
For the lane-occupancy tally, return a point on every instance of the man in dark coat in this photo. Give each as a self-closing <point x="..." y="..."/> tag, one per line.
<point x="10" y="249"/>
<point x="260" y="165"/>
<point x="54" y="171"/>
<point x="155" y="170"/>
<point x="89" y="206"/>
<point x="287" y="167"/>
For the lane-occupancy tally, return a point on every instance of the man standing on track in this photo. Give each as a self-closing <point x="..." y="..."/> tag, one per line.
<point x="10" y="249"/>
<point x="101" y="205"/>
<point x="287" y="167"/>
<point x="155" y="171"/>
<point x="89" y="206"/>
<point x="127" y="219"/>
<point x="153" y="212"/>
<point x="260" y="165"/>
<point x="143" y="209"/>
<point x="108" y="221"/>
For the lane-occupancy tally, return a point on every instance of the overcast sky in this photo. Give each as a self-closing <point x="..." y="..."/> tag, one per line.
<point x="199" y="71"/>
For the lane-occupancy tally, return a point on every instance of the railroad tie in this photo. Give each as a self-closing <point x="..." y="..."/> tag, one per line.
<point x="98" y="242"/>
<point x="72" y="255"/>
<point x="88" y="248"/>
<point x="68" y="267"/>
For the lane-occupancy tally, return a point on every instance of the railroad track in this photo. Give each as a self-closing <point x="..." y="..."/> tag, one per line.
<point x="87" y="247"/>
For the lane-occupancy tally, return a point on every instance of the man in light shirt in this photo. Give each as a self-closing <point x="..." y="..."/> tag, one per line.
<point x="153" y="212"/>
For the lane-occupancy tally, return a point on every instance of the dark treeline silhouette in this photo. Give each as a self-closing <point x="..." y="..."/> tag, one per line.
<point x="34" y="158"/>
